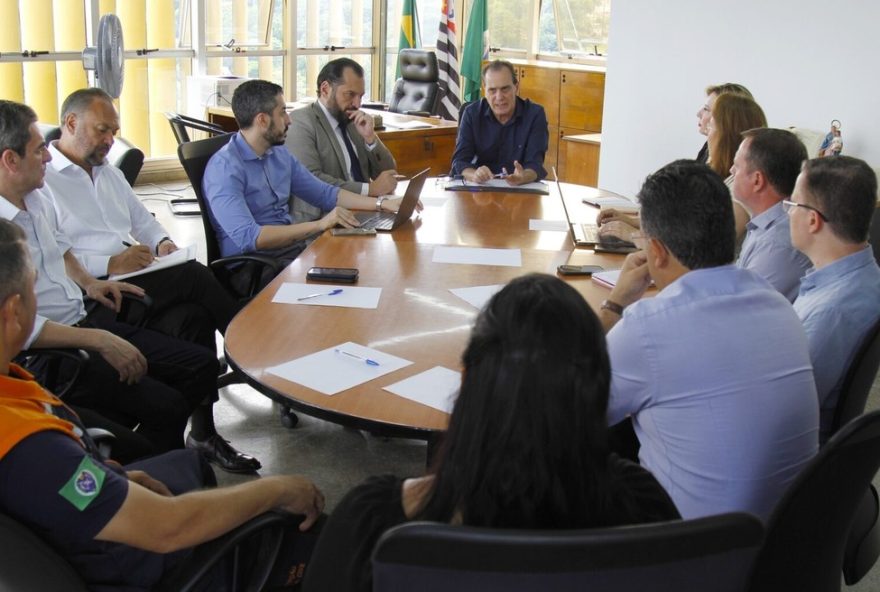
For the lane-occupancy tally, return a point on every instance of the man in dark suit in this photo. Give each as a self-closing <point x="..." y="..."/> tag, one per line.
<point x="336" y="141"/>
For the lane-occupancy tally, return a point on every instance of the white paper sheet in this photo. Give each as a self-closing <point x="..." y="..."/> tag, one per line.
<point x="499" y="185"/>
<point x="437" y="388"/>
<point x="434" y="201"/>
<point x="351" y="296"/>
<point x="611" y="202"/>
<point x="476" y="256"/>
<point x="477" y="296"/>
<point x="551" y="225"/>
<point x="178" y="257"/>
<point x="413" y="124"/>
<point x="330" y="372"/>
<point x="607" y="278"/>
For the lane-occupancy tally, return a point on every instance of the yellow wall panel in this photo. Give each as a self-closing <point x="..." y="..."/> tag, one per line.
<point x="39" y="77"/>
<point x="134" y="104"/>
<point x="162" y="77"/>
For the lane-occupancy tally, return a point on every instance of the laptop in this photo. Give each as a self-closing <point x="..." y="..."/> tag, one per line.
<point x="388" y="221"/>
<point x="585" y="235"/>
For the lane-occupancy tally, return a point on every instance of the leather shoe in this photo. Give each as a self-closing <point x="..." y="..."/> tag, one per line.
<point x="220" y="451"/>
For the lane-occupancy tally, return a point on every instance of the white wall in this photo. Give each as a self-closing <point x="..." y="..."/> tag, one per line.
<point x="806" y="61"/>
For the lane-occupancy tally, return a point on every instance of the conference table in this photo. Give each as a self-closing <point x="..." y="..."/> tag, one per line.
<point x="417" y="318"/>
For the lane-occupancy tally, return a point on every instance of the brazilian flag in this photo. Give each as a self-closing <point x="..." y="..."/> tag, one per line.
<point x="409" y="29"/>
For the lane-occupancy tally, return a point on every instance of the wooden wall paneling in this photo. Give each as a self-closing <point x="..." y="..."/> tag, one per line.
<point x="582" y="98"/>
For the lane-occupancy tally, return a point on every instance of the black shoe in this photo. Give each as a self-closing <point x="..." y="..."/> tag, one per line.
<point x="219" y="451"/>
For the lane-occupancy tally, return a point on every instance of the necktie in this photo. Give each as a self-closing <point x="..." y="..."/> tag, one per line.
<point x="356" y="174"/>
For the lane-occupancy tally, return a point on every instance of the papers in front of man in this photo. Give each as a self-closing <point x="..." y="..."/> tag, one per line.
<point x="477" y="296"/>
<point x="436" y="388"/>
<point x="412" y="124"/>
<point x="607" y="278"/>
<point x="497" y="185"/>
<point x="181" y="255"/>
<point x="477" y="256"/>
<point x="339" y="368"/>
<point x="346" y="296"/>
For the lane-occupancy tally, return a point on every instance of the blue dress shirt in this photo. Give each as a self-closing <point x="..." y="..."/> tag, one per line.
<point x="838" y="304"/>
<point x="246" y="191"/>
<point x="767" y="251"/>
<point x="482" y="140"/>
<point x="715" y="372"/>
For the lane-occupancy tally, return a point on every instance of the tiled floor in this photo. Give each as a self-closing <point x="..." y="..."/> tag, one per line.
<point x="335" y="458"/>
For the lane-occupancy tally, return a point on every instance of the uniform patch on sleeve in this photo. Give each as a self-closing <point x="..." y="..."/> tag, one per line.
<point x="85" y="484"/>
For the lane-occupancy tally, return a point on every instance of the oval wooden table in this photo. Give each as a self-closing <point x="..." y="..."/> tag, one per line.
<point x="418" y="318"/>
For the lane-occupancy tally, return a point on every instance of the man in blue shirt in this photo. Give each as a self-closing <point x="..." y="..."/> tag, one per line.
<point x="715" y="370"/>
<point x="249" y="182"/>
<point x="764" y="171"/>
<point x="501" y="134"/>
<point x="839" y="301"/>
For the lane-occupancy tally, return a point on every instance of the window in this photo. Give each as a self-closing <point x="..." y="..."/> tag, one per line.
<point x="509" y="25"/>
<point x="575" y="28"/>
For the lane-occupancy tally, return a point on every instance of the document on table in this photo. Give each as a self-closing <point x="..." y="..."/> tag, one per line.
<point x="434" y="200"/>
<point x="413" y="124"/>
<point x="477" y="296"/>
<point x="178" y="257"/>
<point x="339" y="368"/>
<point x="611" y="202"/>
<point x="477" y="256"/>
<point x="437" y="388"/>
<point x="607" y="278"/>
<point x="320" y="295"/>
<point x="498" y="185"/>
<point x="551" y="225"/>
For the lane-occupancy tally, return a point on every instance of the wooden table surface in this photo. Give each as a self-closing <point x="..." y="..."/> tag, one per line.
<point x="418" y="318"/>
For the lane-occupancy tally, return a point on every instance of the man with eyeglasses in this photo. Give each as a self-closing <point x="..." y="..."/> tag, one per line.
<point x="764" y="171"/>
<point x="839" y="300"/>
<point x="501" y="135"/>
<point x="714" y="371"/>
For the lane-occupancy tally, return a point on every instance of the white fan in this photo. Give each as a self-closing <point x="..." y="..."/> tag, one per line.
<point x="107" y="58"/>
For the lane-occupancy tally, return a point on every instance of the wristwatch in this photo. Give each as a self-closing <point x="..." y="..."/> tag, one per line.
<point x="613" y="307"/>
<point x="162" y="240"/>
<point x="379" y="201"/>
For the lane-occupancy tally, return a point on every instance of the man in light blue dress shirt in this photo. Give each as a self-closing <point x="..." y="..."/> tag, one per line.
<point x="715" y="370"/>
<point x="839" y="301"/>
<point x="764" y="170"/>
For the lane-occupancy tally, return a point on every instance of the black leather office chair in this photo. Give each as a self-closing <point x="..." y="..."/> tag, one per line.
<point x="711" y="553"/>
<point x="123" y="155"/>
<point x="28" y="564"/>
<point x="417" y="90"/>
<point x="874" y="236"/>
<point x="180" y="124"/>
<point x="808" y="531"/>
<point x="194" y="157"/>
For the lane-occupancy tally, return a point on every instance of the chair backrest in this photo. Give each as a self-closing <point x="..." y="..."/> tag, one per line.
<point x="858" y="380"/>
<point x="417" y="88"/>
<point x="123" y="154"/>
<point x="874" y="236"/>
<point x="194" y="157"/>
<point x="710" y="553"/>
<point x="28" y="564"/>
<point x="807" y="533"/>
<point x="180" y="123"/>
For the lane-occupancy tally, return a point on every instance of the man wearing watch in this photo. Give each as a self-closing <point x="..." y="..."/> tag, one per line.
<point x="336" y="141"/>
<point x="714" y="371"/>
<point x="249" y="181"/>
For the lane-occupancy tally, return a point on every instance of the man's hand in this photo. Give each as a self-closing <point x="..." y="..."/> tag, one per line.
<point x="123" y="356"/>
<point x="392" y="204"/>
<point x="618" y="229"/>
<point x="384" y="184"/>
<point x="144" y="480"/>
<point x="363" y="123"/>
<point x="339" y="216"/>
<point x="633" y="281"/>
<point x="520" y="175"/>
<point x="110" y="293"/>
<point x="611" y="214"/>
<point x="133" y="258"/>
<point x="480" y="175"/>
<point x="166" y="248"/>
<point x="301" y="496"/>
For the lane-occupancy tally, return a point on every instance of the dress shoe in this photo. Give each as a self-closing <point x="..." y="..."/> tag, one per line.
<point x="219" y="451"/>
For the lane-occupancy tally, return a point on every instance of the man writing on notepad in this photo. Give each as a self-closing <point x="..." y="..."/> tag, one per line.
<point x="111" y="232"/>
<point x="502" y="135"/>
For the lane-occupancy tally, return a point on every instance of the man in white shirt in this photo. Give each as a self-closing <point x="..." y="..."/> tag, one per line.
<point x="336" y="141"/>
<point x="111" y="231"/>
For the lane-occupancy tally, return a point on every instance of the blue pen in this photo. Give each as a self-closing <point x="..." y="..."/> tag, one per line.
<point x="367" y="361"/>
<point x="330" y="293"/>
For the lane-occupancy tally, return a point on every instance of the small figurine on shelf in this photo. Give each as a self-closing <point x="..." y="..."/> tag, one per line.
<point x="833" y="143"/>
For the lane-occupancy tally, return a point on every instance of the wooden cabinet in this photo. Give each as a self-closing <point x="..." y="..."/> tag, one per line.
<point x="579" y="158"/>
<point x="581" y="100"/>
<point x="420" y="150"/>
<point x="541" y="85"/>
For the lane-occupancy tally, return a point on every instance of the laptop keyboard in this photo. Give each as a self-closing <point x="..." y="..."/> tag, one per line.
<point x="590" y="233"/>
<point x="378" y="222"/>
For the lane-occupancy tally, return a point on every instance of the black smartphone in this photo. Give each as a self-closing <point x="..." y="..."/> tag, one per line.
<point x="333" y="274"/>
<point x="578" y="269"/>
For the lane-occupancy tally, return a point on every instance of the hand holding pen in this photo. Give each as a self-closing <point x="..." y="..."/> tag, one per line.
<point x="133" y="258"/>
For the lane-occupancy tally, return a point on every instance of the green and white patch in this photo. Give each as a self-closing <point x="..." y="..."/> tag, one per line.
<point x="84" y="485"/>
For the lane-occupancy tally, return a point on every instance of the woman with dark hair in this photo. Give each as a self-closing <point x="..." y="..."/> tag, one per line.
<point x="527" y="442"/>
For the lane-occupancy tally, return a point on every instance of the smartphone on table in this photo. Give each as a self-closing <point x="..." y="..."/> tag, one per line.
<point x="346" y="275"/>
<point x="578" y="269"/>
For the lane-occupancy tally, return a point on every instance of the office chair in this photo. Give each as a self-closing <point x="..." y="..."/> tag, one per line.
<point x="417" y="90"/>
<point x="194" y="157"/>
<point x="808" y="531"/>
<point x="874" y="235"/>
<point x="29" y="564"/>
<point x="123" y="154"/>
<point x="711" y="553"/>
<point x="180" y="123"/>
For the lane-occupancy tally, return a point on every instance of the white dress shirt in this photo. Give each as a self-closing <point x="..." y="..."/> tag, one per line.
<point x="98" y="216"/>
<point x="58" y="297"/>
<point x="338" y="130"/>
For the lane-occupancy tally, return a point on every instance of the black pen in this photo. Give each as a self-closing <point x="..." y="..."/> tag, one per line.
<point x="126" y="244"/>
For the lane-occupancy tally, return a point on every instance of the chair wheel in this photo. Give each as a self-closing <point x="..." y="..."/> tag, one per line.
<point x="289" y="419"/>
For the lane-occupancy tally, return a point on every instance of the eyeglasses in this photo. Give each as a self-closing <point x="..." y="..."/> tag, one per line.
<point x="788" y="206"/>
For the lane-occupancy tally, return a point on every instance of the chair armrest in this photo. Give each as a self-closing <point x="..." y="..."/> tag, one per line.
<point x="104" y="439"/>
<point x="220" y="267"/>
<point x="417" y="113"/>
<point x="53" y="358"/>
